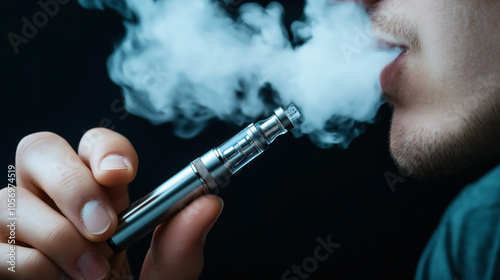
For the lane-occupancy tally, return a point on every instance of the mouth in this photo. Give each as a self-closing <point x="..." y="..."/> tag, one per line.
<point x="393" y="31"/>
<point x="392" y="72"/>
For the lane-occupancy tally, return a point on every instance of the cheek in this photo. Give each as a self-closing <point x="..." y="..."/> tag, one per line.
<point x="456" y="51"/>
<point x="460" y="44"/>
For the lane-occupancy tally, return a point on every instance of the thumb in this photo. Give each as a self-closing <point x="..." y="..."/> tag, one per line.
<point x="176" y="250"/>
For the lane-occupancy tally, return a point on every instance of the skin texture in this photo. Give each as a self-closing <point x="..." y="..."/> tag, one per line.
<point x="446" y="94"/>
<point x="54" y="184"/>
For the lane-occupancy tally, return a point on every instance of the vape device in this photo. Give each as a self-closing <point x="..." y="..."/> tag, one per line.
<point x="210" y="171"/>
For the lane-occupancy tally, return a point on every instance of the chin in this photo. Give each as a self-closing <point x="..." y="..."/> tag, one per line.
<point x="424" y="152"/>
<point x="421" y="157"/>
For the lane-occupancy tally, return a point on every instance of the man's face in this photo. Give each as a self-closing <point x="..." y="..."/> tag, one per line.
<point x="445" y="87"/>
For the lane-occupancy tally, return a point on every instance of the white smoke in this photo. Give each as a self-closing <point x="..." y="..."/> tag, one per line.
<point x="188" y="62"/>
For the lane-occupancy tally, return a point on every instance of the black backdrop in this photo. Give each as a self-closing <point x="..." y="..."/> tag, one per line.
<point x="274" y="210"/>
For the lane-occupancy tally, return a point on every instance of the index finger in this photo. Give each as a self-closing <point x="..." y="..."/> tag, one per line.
<point x="113" y="161"/>
<point x="47" y="163"/>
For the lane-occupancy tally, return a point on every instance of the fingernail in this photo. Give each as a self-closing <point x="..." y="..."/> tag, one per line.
<point x="113" y="162"/>
<point x="95" y="217"/>
<point x="93" y="266"/>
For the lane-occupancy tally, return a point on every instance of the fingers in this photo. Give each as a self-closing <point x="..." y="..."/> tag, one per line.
<point x="110" y="155"/>
<point x="113" y="162"/>
<point x="26" y="263"/>
<point x="71" y="200"/>
<point x="177" y="247"/>
<point x="49" y="232"/>
<point x="47" y="162"/>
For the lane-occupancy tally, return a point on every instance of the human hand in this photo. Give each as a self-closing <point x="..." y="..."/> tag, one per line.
<point x="67" y="205"/>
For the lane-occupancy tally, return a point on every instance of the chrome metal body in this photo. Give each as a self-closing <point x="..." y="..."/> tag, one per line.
<point x="210" y="171"/>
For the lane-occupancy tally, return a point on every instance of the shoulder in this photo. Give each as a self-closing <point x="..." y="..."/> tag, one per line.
<point x="467" y="240"/>
<point x="485" y="193"/>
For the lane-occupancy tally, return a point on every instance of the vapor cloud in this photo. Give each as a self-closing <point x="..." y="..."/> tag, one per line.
<point x="189" y="62"/>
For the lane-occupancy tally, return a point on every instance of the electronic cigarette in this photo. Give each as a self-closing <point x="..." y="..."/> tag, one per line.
<point x="205" y="173"/>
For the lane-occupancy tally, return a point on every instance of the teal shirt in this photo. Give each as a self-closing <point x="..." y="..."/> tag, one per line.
<point x="466" y="244"/>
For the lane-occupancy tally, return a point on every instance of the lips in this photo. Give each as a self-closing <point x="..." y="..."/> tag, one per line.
<point x="391" y="74"/>
<point x="391" y="31"/>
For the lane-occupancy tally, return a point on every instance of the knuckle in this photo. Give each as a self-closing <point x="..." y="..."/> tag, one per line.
<point x="36" y="260"/>
<point x="59" y="232"/>
<point x="67" y="176"/>
<point x="45" y="148"/>
<point x="9" y="197"/>
<point x="4" y="196"/>
<point x="34" y="142"/>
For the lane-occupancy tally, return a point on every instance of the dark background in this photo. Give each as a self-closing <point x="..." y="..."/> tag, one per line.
<point x="274" y="210"/>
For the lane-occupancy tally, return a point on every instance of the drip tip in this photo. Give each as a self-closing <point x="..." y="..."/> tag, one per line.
<point x="292" y="113"/>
